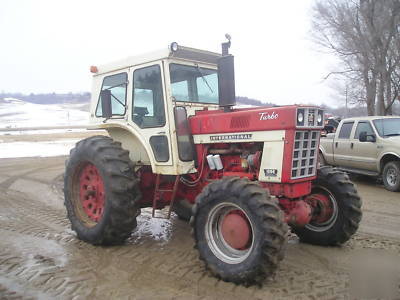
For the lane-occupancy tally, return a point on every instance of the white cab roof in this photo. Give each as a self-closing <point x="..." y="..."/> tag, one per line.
<point x="184" y="53"/>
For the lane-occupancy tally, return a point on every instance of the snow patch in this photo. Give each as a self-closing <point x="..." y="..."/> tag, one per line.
<point x="42" y="131"/>
<point x="157" y="229"/>
<point x="37" y="149"/>
<point x="15" y="113"/>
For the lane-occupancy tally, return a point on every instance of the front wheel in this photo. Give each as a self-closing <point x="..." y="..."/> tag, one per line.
<point x="391" y="176"/>
<point x="238" y="230"/>
<point x="336" y="209"/>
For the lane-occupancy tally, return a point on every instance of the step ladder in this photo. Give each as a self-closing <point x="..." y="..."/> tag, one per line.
<point x="157" y="196"/>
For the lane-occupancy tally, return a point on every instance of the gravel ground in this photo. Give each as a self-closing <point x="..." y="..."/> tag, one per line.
<point x="40" y="257"/>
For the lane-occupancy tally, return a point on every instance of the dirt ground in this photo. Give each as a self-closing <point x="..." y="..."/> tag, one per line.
<point x="40" y="257"/>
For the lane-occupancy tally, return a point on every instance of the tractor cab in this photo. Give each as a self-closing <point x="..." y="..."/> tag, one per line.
<point x="144" y="102"/>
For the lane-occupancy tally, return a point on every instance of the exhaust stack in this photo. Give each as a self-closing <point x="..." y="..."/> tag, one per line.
<point x="226" y="77"/>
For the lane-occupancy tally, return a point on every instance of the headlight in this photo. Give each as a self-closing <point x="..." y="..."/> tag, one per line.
<point x="174" y="46"/>
<point x="300" y="117"/>
<point x="320" y="118"/>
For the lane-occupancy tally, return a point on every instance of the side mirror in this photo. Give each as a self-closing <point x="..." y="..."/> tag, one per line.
<point x="372" y="138"/>
<point x="106" y="109"/>
<point x="226" y="79"/>
<point x="364" y="137"/>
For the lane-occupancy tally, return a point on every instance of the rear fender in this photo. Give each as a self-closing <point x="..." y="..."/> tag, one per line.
<point x="140" y="153"/>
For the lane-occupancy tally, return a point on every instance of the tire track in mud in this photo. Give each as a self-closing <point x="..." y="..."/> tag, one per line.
<point x="41" y="256"/>
<point x="30" y="231"/>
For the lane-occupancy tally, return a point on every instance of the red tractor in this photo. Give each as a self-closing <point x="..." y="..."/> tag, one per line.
<point x="240" y="175"/>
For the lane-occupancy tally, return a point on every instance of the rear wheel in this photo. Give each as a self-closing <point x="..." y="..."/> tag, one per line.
<point x="336" y="209"/>
<point x="238" y="230"/>
<point x="101" y="192"/>
<point x="391" y="176"/>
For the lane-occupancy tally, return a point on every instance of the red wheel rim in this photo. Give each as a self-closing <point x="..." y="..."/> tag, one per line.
<point x="236" y="230"/>
<point x="323" y="206"/>
<point x="91" y="192"/>
<point x="229" y="233"/>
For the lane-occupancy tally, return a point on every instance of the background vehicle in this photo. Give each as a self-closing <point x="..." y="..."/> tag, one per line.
<point x="331" y="125"/>
<point x="366" y="145"/>
<point x="174" y="137"/>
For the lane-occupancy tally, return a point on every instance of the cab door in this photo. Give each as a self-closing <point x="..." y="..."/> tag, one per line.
<point x="364" y="154"/>
<point x="148" y="113"/>
<point x="342" y="145"/>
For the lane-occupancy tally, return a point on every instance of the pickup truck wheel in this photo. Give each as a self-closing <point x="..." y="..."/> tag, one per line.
<point x="336" y="209"/>
<point x="391" y="176"/>
<point x="238" y="230"/>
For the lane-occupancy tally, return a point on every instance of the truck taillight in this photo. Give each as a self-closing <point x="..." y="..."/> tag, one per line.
<point x="183" y="134"/>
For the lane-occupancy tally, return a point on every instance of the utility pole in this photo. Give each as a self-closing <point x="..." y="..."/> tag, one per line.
<point x="346" y="98"/>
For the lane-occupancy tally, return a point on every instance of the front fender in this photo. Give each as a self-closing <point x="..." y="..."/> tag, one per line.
<point x="327" y="156"/>
<point x="382" y="156"/>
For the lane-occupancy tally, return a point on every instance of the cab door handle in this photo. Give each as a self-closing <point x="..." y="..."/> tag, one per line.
<point x="351" y="145"/>
<point x="336" y="144"/>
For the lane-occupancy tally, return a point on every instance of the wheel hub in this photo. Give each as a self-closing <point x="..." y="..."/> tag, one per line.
<point x="323" y="208"/>
<point x="91" y="192"/>
<point x="229" y="233"/>
<point x="392" y="177"/>
<point x="236" y="230"/>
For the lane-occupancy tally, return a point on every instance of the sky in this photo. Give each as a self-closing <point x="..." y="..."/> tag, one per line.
<point x="49" y="45"/>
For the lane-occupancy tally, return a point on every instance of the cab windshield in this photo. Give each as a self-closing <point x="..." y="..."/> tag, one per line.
<point x="194" y="84"/>
<point x="388" y="127"/>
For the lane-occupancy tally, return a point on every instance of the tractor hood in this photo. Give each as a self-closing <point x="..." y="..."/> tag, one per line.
<point x="245" y="120"/>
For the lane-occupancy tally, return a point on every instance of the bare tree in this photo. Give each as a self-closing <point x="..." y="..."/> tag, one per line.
<point x="365" y="36"/>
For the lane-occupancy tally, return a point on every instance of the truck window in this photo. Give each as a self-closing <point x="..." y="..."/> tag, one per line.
<point x="148" y="100"/>
<point x="345" y="130"/>
<point x="363" y="126"/>
<point x="388" y="127"/>
<point x="117" y="85"/>
<point x="194" y="84"/>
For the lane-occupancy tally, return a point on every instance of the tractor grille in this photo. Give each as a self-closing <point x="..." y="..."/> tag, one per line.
<point x="305" y="151"/>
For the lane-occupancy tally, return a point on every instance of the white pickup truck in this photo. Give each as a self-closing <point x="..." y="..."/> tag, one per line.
<point x="365" y="145"/>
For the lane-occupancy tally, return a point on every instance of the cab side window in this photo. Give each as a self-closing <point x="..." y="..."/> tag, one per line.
<point x="148" y="100"/>
<point x="116" y="84"/>
<point x="345" y="130"/>
<point x="363" y="126"/>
